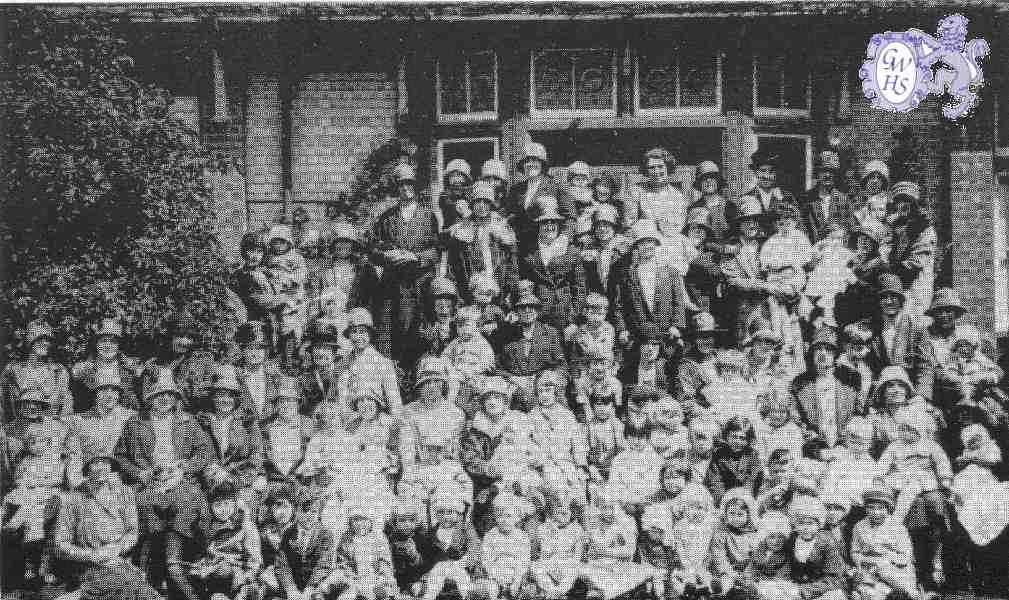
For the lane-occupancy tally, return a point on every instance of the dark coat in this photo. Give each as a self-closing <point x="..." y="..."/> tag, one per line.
<point x="273" y="374"/>
<point x="297" y="568"/>
<point x="814" y="221"/>
<point x="523" y="221"/>
<point x="782" y="197"/>
<point x="910" y="331"/>
<point x="727" y="471"/>
<point x="546" y="350"/>
<point x="136" y="446"/>
<point x="807" y="405"/>
<point x="823" y="571"/>
<point x="664" y="373"/>
<point x="629" y="310"/>
<point x="560" y="285"/>
<point x="244" y="455"/>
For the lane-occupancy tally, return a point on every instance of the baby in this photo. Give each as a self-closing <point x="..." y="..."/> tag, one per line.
<point x="832" y="260"/>
<point x="594" y="335"/>
<point x="287" y="272"/>
<point x="967" y="367"/>
<point x="366" y="558"/>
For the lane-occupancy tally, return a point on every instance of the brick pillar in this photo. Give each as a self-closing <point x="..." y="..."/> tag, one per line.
<point x="263" y="147"/>
<point x="737" y="145"/>
<point x="972" y="215"/>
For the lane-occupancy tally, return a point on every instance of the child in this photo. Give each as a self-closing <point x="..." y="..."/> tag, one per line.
<point x="702" y="434"/>
<point x="328" y="450"/>
<point x="691" y="540"/>
<point x="730" y="395"/>
<point x="836" y="523"/>
<point x="648" y="368"/>
<point x="450" y="546"/>
<point x="285" y="436"/>
<point x="982" y="504"/>
<point x="593" y="336"/>
<point x="404" y="531"/>
<point x="779" y="485"/>
<point x="332" y="316"/>
<point x="735" y="463"/>
<point x="655" y="548"/>
<point x="817" y="566"/>
<point x="560" y="545"/>
<point x="770" y="565"/>
<point x="881" y="552"/>
<point x="668" y="435"/>
<point x="776" y="429"/>
<point x="559" y="438"/>
<point x="832" y="261"/>
<point x="640" y="399"/>
<point x="279" y="519"/>
<point x="733" y="541"/>
<point x="597" y="378"/>
<point x="851" y="467"/>
<point x="234" y="555"/>
<point x="968" y="368"/>
<point x="469" y="354"/>
<point x="287" y="272"/>
<point x="634" y="474"/>
<point x="39" y="476"/>
<point x="854" y="359"/>
<point x="365" y="557"/>
<point x="484" y="290"/>
<point x="783" y="259"/>
<point x="612" y="539"/>
<point x="605" y="434"/>
<point x="506" y="552"/>
<point x="673" y="477"/>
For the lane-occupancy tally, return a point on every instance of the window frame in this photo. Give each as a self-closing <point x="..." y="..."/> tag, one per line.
<point x="464" y="117"/>
<point x="679" y="110"/>
<point x="809" y="152"/>
<point x="767" y="111"/>
<point x="439" y="156"/>
<point x="572" y="112"/>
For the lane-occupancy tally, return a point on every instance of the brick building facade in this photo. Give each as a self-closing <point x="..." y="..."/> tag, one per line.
<point x="299" y="96"/>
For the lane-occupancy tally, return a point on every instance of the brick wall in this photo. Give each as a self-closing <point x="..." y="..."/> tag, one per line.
<point x="973" y="214"/>
<point x="263" y="148"/>
<point x="337" y="119"/>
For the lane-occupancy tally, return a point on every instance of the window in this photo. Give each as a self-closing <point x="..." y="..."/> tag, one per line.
<point x="686" y="81"/>
<point x="581" y="82"/>
<point x="473" y="150"/>
<point x="781" y="84"/>
<point x="467" y="86"/>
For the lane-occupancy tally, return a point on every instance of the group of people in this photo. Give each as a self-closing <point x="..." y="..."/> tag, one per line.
<point x="558" y="389"/>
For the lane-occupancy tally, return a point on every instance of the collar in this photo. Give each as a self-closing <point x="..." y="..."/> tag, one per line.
<point x="482" y="423"/>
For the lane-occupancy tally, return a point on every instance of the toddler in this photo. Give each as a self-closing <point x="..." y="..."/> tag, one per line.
<point x="612" y="539"/>
<point x="597" y="378"/>
<point x="560" y="545"/>
<point x="691" y="540"/>
<point x="783" y="259"/>
<point x="769" y="567"/>
<point x="634" y="474"/>
<point x="484" y="290"/>
<point x="655" y="549"/>
<point x="287" y="272"/>
<point x="850" y="467"/>
<point x="469" y="354"/>
<point x="332" y="315"/>
<point x="594" y="336"/>
<point x="404" y="532"/>
<point x="506" y="552"/>
<point x="881" y="552"/>
<point x="968" y="368"/>
<point x="730" y="395"/>
<point x="781" y="483"/>
<point x="233" y="553"/>
<point x="832" y="261"/>
<point x="776" y="429"/>
<point x="915" y="463"/>
<point x="733" y="541"/>
<point x="365" y="558"/>
<point x="450" y="545"/>
<point x="605" y="434"/>
<point x="668" y="435"/>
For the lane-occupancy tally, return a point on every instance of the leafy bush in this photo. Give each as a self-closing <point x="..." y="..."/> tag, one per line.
<point x="107" y="209"/>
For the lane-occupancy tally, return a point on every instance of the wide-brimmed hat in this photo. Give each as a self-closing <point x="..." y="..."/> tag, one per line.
<point x="881" y="495"/>
<point x="876" y="167"/>
<point x="430" y="369"/>
<point x="548" y="210"/>
<point x="606" y="213"/>
<point x="112" y="460"/>
<point x="36" y="393"/>
<point x="344" y="231"/>
<point x="749" y="208"/>
<point x="103" y="377"/>
<point x="908" y="189"/>
<point x="703" y="324"/>
<point x="966" y="333"/>
<point x="528" y="298"/>
<point x="404" y="172"/>
<point x="324" y="334"/>
<point x="358" y="317"/>
<point x="443" y="287"/>
<point x="893" y="374"/>
<point x="858" y="333"/>
<point x="108" y="327"/>
<point x="698" y="216"/>
<point x="828" y="160"/>
<point x="705" y="170"/>
<point x="807" y="507"/>
<point x="281" y="232"/>
<point x="645" y="229"/>
<point x="764" y="157"/>
<point x="760" y="329"/>
<point x="946" y="298"/>
<point x="459" y="165"/>
<point x="579" y="167"/>
<point x="225" y="378"/>
<point x="495" y="385"/>
<point x="824" y="336"/>
<point x="494" y="168"/>
<point x="367" y="393"/>
<point x="36" y="330"/>
<point x="252" y="333"/>
<point x="450" y="497"/>
<point x="889" y="283"/>
<point x="534" y="150"/>
<point x="164" y="383"/>
<point x="642" y="394"/>
<point x="483" y="190"/>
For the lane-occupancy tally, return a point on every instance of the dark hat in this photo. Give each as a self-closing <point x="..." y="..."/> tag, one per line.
<point x="253" y="240"/>
<point x="784" y="210"/>
<point x="642" y="394"/>
<point x="101" y="458"/>
<point x="252" y="333"/>
<point x="764" y="157"/>
<point x="703" y="324"/>
<point x="225" y="490"/>
<point x="749" y="208"/>
<point x="890" y="284"/>
<point x="225" y="378"/>
<point x="946" y="298"/>
<point x="281" y="492"/>
<point x="824" y="336"/>
<point x="876" y="494"/>
<point x="650" y="333"/>
<point x="708" y="169"/>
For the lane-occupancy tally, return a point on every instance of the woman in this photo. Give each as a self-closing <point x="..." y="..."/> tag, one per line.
<point x="100" y="427"/>
<point x="105" y="355"/>
<point x="914" y="242"/>
<point x="825" y="398"/>
<point x="37" y="369"/>
<point x="656" y="198"/>
<point x="349" y="272"/>
<point x="709" y="183"/>
<point x="555" y="268"/>
<point x="875" y="192"/>
<point x="364" y="366"/>
<point x="858" y="301"/>
<point x="524" y="202"/>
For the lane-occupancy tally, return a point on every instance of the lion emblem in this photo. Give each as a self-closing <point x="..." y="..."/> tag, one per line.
<point x="959" y="73"/>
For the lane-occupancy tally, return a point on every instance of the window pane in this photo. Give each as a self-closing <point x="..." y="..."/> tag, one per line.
<point x="482" y="88"/>
<point x="697" y="78"/>
<point x="553" y="80"/>
<point x="796" y="84"/>
<point x="657" y="82"/>
<point x="768" y="81"/>
<point x="594" y="77"/>
<point x="453" y="85"/>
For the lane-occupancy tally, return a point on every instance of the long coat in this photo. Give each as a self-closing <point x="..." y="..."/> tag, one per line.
<point x="630" y="310"/>
<point x="546" y="351"/>
<point x="814" y="221"/>
<point x="560" y="285"/>
<point x="523" y="221"/>
<point x="909" y="333"/>
<point x="273" y="373"/>
<point x="301" y="565"/>
<point x="807" y="405"/>
<point x="743" y="276"/>
<point x="135" y="450"/>
<point x="243" y="458"/>
<point x="465" y="258"/>
<point x="401" y="294"/>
